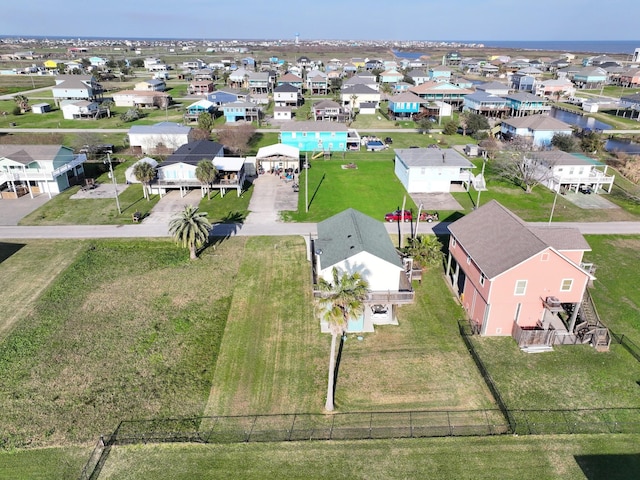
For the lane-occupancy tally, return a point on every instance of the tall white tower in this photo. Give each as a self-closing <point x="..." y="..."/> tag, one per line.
<point x="636" y="55"/>
<point x="297" y="38"/>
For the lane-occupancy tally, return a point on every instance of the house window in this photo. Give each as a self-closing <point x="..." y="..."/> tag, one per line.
<point x="566" y="285"/>
<point x="482" y="278"/>
<point x="544" y="257"/>
<point x="468" y="259"/>
<point x="293" y="134"/>
<point x="521" y="287"/>
<point x="517" y="316"/>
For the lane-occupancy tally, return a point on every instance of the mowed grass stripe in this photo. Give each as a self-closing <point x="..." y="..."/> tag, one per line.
<point x="267" y="362"/>
<point x="26" y="271"/>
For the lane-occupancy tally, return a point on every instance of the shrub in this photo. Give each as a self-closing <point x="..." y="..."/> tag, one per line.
<point x="16" y="110"/>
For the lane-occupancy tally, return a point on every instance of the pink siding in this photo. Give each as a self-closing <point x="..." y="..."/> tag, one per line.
<point x="544" y="279"/>
<point x="574" y="255"/>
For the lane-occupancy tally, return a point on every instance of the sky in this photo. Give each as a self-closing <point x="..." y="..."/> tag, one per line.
<point x="465" y="20"/>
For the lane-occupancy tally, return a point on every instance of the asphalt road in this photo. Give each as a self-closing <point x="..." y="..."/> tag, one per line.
<point x="271" y="229"/>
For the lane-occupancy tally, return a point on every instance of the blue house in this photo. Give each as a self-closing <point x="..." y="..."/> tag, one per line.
<point x="240" y="110"/>
<point x="440" y="74"/>
<point x="590" y="77"/>
<point x="524" y="103"/>
<point x="404" y="105"/>
<point x="316" y="136"/>
<point x="227" y="96"/>
<point x="487" y="104"/>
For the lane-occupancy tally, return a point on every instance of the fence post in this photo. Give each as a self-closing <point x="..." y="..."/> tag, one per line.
<point x="292" y="425"/>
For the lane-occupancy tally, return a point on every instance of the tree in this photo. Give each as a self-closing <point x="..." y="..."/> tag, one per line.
<point x="22" y="102"/>
<point x="450" y="128"/>
<point x="340" y="301"/>
<point x="424" y="125"/>
<point x="190" y="229"/>
<point x="476" y="123"/>
<point x="463" y="120"/>
<point x="490" y="145"/>
<point x="206" y="173"/>
<point x="237" y="137"/>
<point x="130" y="115"/>
<point x="520" y="164"/>
<point x="591" y="142"/>
<point x="145" y="174"/>
<point x="205" y="121"/>
<point x="564" y="142"/>
<point x="425" y="250"/>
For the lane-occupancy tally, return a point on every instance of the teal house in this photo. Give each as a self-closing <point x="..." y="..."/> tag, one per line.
<point x="316" y="136"/>
<point x="404" y="105"/>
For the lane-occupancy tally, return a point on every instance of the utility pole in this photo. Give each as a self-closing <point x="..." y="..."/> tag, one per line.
<point x="306" y="182"/>
<point x="553" y="207"/>
<point x="484" y="163"/>
<point x="115" y="184"/>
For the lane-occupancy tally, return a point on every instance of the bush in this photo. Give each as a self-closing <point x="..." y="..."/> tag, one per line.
<point x="450" y="128"/>
<point x="16" y="110"/>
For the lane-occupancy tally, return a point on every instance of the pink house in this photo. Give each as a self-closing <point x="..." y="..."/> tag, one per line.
<point x="521" y="280"/>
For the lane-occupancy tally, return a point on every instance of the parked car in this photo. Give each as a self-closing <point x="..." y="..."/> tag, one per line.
<point x="586" y="189"/>
<point x="429" y="217"/>
<point x="397" y="216"/>
<point x="388" y="140"/>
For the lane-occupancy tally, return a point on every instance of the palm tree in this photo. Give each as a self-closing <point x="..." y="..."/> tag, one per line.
<point x="190" y="229"/>
<point x="145" y="173"/>
<point x="340" y="301"/>
<point x="425" y="249"/>
<point x="206" y="173"/>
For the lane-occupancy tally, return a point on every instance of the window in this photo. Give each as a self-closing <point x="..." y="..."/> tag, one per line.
<point x="544" y="257"/>
<point x="482" y="278"/>
<point x="521" y="287"/>
<point x="468" y="259"/>
<point x="453" y="242"/>
<point x="566" y="285"/>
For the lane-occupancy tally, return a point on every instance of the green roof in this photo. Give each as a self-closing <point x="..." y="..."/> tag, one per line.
<point x="351" y="232"/>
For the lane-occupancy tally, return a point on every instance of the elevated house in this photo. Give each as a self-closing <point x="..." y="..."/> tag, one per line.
<point x="540" y="129"/>
<point x="35" y="169"/>
<point x="524" y="103"/>
<point x="260" y="82"/>
<point x="81" y="110"/>
<point x="590" y="77"/>
<point x="291" y="79"/>
<point x="228" y="95"/>
<point x="404" y="105"/>
<point x="286" y="95"/>
<point x="566" y="172"/>
<point x="418" y="76"/>
<point x="430" y="170"/>
<point x="441" y="91"/>
<point x="629" y="78"/>
<point x="153" y="85"/>
<point x="328" y="110"/>
<point x="524" y="281"/>
<point x="391" y="76"/>
<point x="319" y="137"/>
<point x="239" y="110"/>
<point x="493" y="88"/>
<point x="76" y="87"/>
<point x="160" y="139"/>
<point x="178" y="171"/>
<point x="555" y="88"/>
<point x="486" y="104"/>
<point x="200" y="87"/>
<point x="141" y="99"/>
<point x="196" y="109"/>
<point x="440" y="73"/>
<point x="353" y="242"/>
<point x="317" y="83"/>
<point x="352" y="96"/>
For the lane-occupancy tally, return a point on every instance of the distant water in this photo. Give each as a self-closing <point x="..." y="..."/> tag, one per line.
<point x="583" y="46"/>
<point x="581" y="121"/>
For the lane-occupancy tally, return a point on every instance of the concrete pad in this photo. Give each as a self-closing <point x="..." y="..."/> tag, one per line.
<point x="171" y="204"/>
<point x="12" y="210"/>
<point x="591" y="201"/>
<point x="436" y="201"/>
<point x="271" y="195"/>
<point x="102" y="190"/>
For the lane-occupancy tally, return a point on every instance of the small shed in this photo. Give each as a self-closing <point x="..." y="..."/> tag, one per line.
<point x="40" y="108"/>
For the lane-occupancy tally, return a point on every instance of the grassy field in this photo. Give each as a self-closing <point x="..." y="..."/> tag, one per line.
<point x="43" y="463"/>
<point x="372" y="188"/>
<point x="27" y="270"/>
<point x="615" y="291"/>
<point x="130" y="330"/>
<point x="273" y="359"/>
<point x="535" y="458"/>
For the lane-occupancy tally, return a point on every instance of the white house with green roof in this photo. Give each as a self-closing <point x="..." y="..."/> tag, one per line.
<point x="354" y="242"/>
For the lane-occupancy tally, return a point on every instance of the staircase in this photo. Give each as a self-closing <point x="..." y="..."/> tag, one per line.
<point x="590" y="328"/>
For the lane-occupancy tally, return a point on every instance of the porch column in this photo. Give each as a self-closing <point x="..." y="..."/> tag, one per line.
<point x="448" y="265"/>
<point x="574" y="316"/>
<point x="24" y="170"/>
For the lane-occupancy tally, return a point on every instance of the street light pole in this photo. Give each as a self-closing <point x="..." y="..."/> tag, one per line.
<point x="484" y="163"/>
<point x="115" y="184"/>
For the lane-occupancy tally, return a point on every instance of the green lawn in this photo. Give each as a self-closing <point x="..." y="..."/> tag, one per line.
<point x="521" y="458"/>
<point x="130" y="330"/>
<point x="64" y="210"/>
<point x="44" y="463"/>
<point x="372" y="188"/>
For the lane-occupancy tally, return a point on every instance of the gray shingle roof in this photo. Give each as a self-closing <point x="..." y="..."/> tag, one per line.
<point x="351" y="232"/>
<point x="193" y="152"/>
<point x="497" y="240"/>
<point x="432" y="157"/>
<point x="26" y="154"/>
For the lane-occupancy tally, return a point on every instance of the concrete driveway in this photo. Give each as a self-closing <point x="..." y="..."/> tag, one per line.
<point x="436" y="201"/>
<point x="591" y="201"/>
<point x="271" y="195"/>
<point x="171" y="204"/>
<point x="12" y="210"/>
